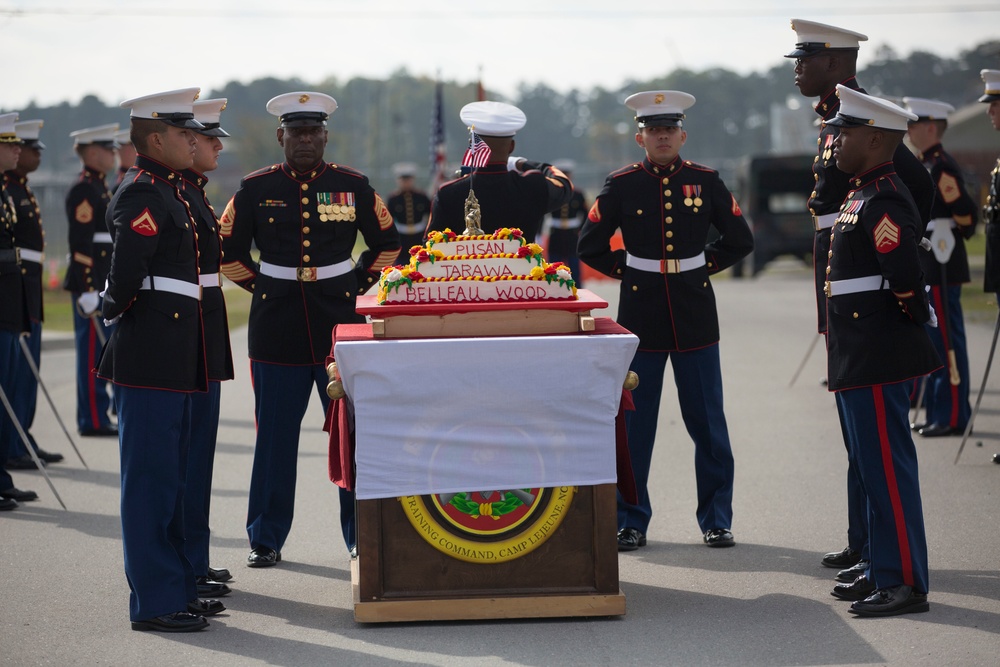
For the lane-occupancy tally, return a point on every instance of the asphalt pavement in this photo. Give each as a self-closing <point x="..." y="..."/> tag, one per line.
<point x="64" y="596"/>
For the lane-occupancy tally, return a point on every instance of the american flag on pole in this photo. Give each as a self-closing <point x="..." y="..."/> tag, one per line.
<point x="438" y="148"/>
<point x="478" y="153"/>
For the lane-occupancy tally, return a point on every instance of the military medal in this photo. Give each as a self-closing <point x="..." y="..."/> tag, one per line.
<point x="828" y="148"/>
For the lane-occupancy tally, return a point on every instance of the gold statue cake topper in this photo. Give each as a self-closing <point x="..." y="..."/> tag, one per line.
<point x="473" y="216"/>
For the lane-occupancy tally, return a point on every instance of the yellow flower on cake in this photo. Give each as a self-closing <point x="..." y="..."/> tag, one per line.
<point x="537" y="272"/>
<point x="535" y="249"/>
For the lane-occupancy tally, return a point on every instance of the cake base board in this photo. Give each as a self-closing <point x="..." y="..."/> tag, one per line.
<point x="481" y="319"/>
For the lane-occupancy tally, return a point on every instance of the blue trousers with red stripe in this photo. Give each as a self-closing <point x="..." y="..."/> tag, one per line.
<point x="947" y="403"/>
<point x="92" y="397"/>
<point x="154" y="429"/>
<point x="877" y="422"/>
<point x="281" y="396"/>
<point x="698" y="377"/>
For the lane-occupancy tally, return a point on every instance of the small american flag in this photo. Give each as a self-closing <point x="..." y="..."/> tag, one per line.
<point x="477" y="154"/>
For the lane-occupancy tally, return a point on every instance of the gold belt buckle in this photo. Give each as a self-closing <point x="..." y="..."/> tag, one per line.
<point x="306" y="274"/>
<point x="670" y="266"/>
<point x="827" y="290"/>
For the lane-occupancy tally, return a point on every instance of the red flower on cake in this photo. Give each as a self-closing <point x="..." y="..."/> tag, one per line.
<point x="415" y="275"/>
<point x="415" y="249"/>
<point x="423" y="256"/>
<point x="550" y="270"/>
<point x="450" y="234"/>
<point x="523" y="251"/>
<point x="516" y="233"/>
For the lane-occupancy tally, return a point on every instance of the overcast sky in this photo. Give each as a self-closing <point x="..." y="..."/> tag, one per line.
<point x="61" y="50"/>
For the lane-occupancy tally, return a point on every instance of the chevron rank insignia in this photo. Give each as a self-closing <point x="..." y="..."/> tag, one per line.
<point x="886" y="235"/>
<point x="145" y="225"/>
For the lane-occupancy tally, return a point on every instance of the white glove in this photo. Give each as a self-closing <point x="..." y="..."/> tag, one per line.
<point x="88" y="302"/>
<point x="933" y="320"/>
<point x="512" y="162"/>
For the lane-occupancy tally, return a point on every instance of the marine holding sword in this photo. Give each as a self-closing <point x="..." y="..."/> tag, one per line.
<point x="946" y="268"/>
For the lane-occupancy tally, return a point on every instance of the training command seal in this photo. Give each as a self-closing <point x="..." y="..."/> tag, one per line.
<point x="488" y="526"/>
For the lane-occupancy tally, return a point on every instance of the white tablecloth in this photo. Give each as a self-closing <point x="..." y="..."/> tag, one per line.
<point x="480" y="414"/>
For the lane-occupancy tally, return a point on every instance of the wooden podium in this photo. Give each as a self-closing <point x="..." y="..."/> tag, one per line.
<point x="419" y="559"/>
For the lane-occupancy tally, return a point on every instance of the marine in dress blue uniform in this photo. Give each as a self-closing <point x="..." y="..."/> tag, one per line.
<point x="90" y="258"/>
<point x="13" y="315"/>
<point x="562" y="227"/>
<point x="304" y="216"/>
<point x="31" y="244"/>
<point x="665" y="207"/>
<point x="409" y="208"/>
<point x="946" y="268"/>
<point x="826" y="56"/>
<point x="991" y="210"/>
<point x="876" y="309"/>
<point x="512" y="191"/>
<point x="218" y="353"/>
<point x="156" y="358"/>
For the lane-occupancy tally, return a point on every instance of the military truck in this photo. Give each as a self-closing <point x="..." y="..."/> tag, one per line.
<point x="773" y="191"/>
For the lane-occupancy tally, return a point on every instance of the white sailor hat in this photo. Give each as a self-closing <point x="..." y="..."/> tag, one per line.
<point x="659" y="108"/>
<point x="208" y="112"/>
<point x="928" y="109"/>
<point x="27" y="131"/>
<point x="7" y="133"/>
<point x="991" y="77"/>
<point x="173" y="107"/>
<point x="302" y="108"/>
<point x="123" y="137"/>
<point x="404" y="170"/>
<point x="860" y="110"/>
<point x="102" y="135"/>
<point x="812" y="38"/>
<point x="493" y="119"/>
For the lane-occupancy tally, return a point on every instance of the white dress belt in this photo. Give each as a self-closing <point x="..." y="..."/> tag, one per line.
<point x="102" y="237"/>
<point x="855" y="285"/>
<point x="404" y="228"/>
<point x="930" y="225"/>
<point x="821" y="222"/>
<point x="306" y="274"/>
<point x="210" y="280"/>
<point x="31" y="255"/>
<point x="182" y="287"/>
<point x="557" y="222"/>
<point x="665" y="265"/>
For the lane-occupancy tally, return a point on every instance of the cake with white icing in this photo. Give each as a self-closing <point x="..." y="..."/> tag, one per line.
<point x="497" y="267"/>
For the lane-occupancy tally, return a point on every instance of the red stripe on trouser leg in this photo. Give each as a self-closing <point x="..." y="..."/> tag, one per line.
<point x="890" y="481"/>
<point x="92" y="374"/>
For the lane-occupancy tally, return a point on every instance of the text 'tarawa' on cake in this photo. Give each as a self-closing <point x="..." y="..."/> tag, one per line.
<point x="497" y="267"/>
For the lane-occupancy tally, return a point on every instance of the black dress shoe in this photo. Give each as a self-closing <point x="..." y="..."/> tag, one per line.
<point x="841" y="559"/>
<point x="48" y="457"/>
<point x="861" y="588"/>
<point x="263" y="557"/>
<point x="354" y="551"/>
<point x="208" y="588"/>
<point x="719" y="537"/>
<point x="630" y="539"/>
<point x="202" y="607"/>
<point x="179" y="621"/>
<point x="892" y="601"/>
<point x="99" y="431"/>
<point x="221" y="574"/>
<point x="939" y="431"/>
<point x="22" y="463"/>
<point x="916" y="426"/>
<point x="18" y="495"/>
<point x="850" y="574"/>
<point x="7" y="505"/>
